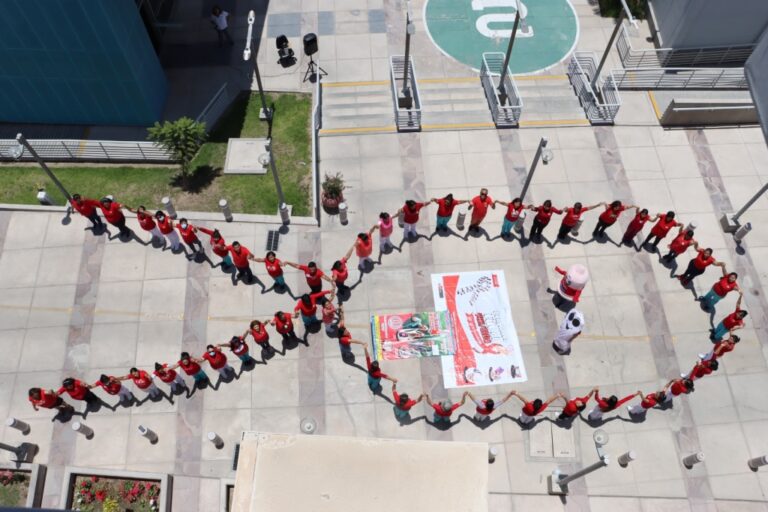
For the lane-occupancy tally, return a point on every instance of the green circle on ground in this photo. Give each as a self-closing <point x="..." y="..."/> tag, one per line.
<point x="465" y="29"/>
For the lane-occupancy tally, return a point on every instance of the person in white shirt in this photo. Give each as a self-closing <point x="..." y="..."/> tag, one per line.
<point x="219" y="20"/>
<point x="572" y="325"/>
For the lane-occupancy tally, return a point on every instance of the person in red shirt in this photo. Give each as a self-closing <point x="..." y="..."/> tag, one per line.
<point x="511" y="217"/>
<point x="283" y="323"/>
<point x="649" y="401"/>
<point x="363" y="249"/>
<point x="170" y="377"/>
<point x="479" y="207"/>
<point x="444" y="409"/>
<point x="48" y="399"/>
<point x="188" y="233"/>
<point x="275" y="269"/>
<point x="720" y="289"/>
<point x="328" y="314"/>
<point x="147" y="223"/>
<point x="403" y="403"/>
<point x="609" y="217"/>
<point x="239" y="347"/>
<point x="307" y="307"/>
<point x="345" y="339"/>
<point x="87" y="208"/>
<point x="730" y="323"/>
<point x="218" y="246"/>
<point x="531" y="408"/>
<point x="636" y="225"/>
<point x="240" y="256"/>
<point x="698" y="265"/>
<point x="721" y="348"/>
<point x="660" y="230"/>
<point x="484" y="408"/>
<point x="218" y="361"/>
<point x="543" y="215"/>
<point x="574" y="406"/>
<point x="679" y="245"/>
<point x="410" y="216"/>
<point x="374" y="371"/>
<point x="314" y="275"/>
<point x="191" y="366"/>
<point x="165" y="225"/>
<point x="608" y="404"/>
<point x="340" y="272"/>
<point x="258" y="332"/>
<point x="572" y="217"/>
<point x="112" y="212"/>
<point x="78" y="390"/>
<point x="142" y="380"/>
<point x="677" y="387"/>
<point x="113" y="386"/>
<point x="445" y="207"/>
<point x="701" y="369"/>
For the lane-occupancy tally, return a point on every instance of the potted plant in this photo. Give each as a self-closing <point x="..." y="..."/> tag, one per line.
<point x="333" y="191"/>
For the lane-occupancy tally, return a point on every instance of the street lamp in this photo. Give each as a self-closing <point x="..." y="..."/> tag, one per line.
<point x="502" y="89"/>
<point x="624" y="14"/>
<point x="730" y="223"/>
<point x="282" y="207"/>
<point x="557" y="482"/>
<point x="265" y="112"/>
<point x="406" y="100"/>
<point x="544" y="154"/>
<point x="23" y="144"/>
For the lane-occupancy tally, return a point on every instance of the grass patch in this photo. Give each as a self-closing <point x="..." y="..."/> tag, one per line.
<point x="613" y="8"/>
<point x="147" y="185"/>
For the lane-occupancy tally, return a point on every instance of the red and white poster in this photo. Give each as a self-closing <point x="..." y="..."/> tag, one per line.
<point x="487" y="348"/>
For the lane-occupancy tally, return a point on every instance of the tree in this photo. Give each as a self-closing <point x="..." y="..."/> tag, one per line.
<point x="182" y="138"/>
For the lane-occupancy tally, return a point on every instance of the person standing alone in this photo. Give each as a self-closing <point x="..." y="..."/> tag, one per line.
<point x="220" y="21"/>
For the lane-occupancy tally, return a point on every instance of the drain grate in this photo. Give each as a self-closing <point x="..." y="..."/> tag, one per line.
<point x="236" y="457"/>
<point x="273" y="240"/>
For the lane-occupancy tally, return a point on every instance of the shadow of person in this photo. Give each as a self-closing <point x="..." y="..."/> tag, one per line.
<point x="481" y="424"/>
<point x="560" y="302"/>
<point x="65" y="416"/>
<point x="442" y="425"/>
<point x="290" y="343"/>
<point x="406" y="420"/>
<point x="359" y="280"/>
<point x="380" y="393"/>
<point x="366" y="267"/>
<point x="343" y="293"/>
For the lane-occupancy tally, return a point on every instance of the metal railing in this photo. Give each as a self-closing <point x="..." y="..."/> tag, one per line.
<point x="681" y="78"/>
<point x="708" y="56"/>
<point x="89" y="151"/>
<point x="317" y="124"/>
<point x="600" y="109"/>
<point x="504" y="116"/>
<point x="406" y="119"/>
<point x="215" y="108"/>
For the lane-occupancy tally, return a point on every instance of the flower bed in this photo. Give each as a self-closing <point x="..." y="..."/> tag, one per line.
<point x="93" y="493"/>
<point x="14" y="487"/>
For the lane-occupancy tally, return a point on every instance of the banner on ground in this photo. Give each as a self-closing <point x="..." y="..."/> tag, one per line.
<point x="487" y="348"/>
<point x="408" y="335"/>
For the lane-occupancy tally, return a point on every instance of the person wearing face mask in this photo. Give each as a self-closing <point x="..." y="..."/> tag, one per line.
<point x="218" y="361"/>
<point x="188" y="234"/>
<point x="165" y="225"/>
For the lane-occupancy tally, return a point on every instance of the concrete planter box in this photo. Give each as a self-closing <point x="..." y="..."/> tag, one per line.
<point x="36" y="481"/>
<point x="71" y="473"/>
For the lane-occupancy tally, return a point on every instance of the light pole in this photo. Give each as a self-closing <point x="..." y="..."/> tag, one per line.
<point x="502" y="89"/>
<point x="281" y="205"/>
<point x="730" y="223"/>
<point x="406" y="100"/>
<point x="19" y="150"/>
<point x="557" y="482"/>
<point x="543" y="153"/>
<point x="625" y="14"/>
<point x="265" y="112"/>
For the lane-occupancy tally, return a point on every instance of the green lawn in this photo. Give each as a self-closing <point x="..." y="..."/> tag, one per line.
<point x="147" y="185"/>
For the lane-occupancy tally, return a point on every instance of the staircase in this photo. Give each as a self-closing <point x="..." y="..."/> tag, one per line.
<point x="454" y="103"/>
<point x="549" y="99"/>
<point x="363" y="106"/>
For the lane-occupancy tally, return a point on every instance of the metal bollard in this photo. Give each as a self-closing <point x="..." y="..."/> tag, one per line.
<point x="43" y="197"/>
<point x="492" y="453"/>
<point x="149" y="434"/>
<point x="693" y="459"/>
<point x="757" y="462"/>
<point x="224" y="207"/>
<point x="520" y="222"/>
<point x="691" y="226"/>
<point x="401" y="219"/>
<point x="742" y="232"/>
<point x="285" y="214"/>
<point x="460" y="219"/>
<point x="168" y="207"/>
<point x="626" y="458"/>
<point x="343" y="214"/>
<point x="217" y="441"/>
<point x="577" y="227"/>
<point x="82" y="428"/>
<point x="18" y="425"/>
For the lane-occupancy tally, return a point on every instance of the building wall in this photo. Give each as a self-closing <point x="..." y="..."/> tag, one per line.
<point x="78" y="62"/>
<point x="698" y="23"/>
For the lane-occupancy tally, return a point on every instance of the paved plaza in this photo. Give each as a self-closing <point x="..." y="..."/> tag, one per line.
<point x="76" y="304"/>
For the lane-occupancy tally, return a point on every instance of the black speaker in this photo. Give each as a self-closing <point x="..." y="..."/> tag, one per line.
<point x="310" y="44"/>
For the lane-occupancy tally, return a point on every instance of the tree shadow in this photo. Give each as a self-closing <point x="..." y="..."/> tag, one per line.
<point x="197" y="180"/>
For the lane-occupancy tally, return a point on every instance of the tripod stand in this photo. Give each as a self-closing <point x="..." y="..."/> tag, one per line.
<point x="312" y="70"/>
